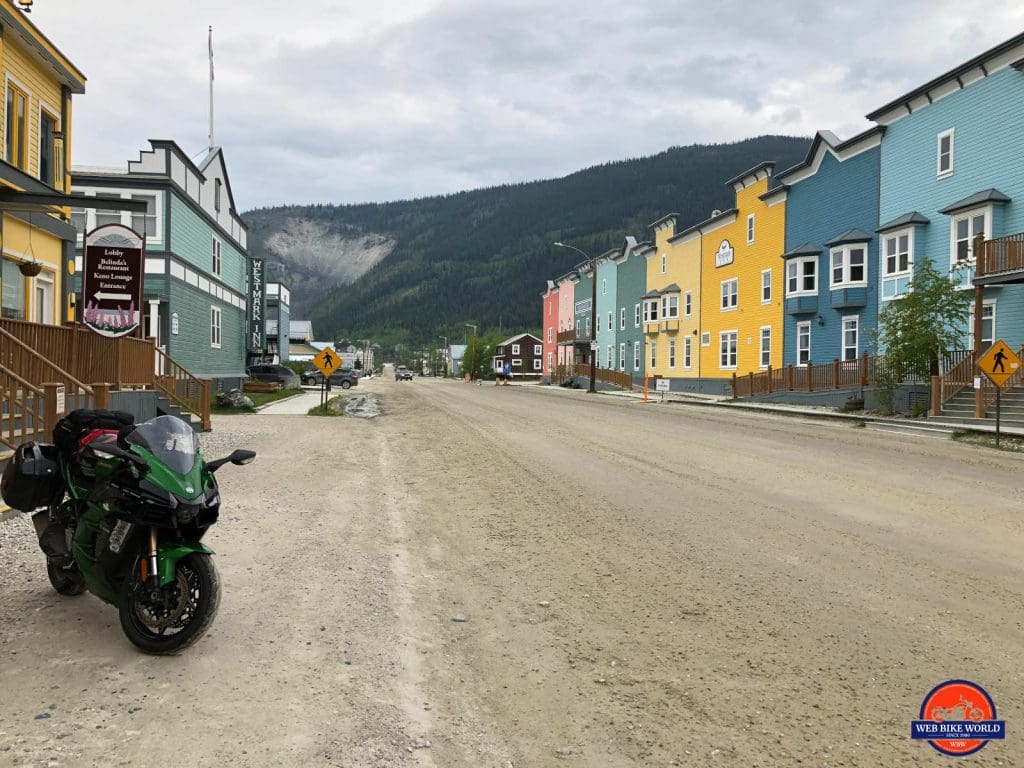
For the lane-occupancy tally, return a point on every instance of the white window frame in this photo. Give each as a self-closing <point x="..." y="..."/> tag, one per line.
<point x="969" y="215"/>
<point x="766" y="348"/>
<point x="670" y="306"/>
<point x="845" y="254"/>
<point x="636" y="355"/>
<point x="517" y="362"/>
<point x="654" y="355"/>
<point x="550" y="334"/>
<point x="622" y="356"/>
<point x="651" y="310"/>
<point x="622" y="318"/>
<point x="147" y="216"/>
<point x="750" y="229"/>
<point x="537" y="364"/>
<point x="636" y="316"/>
<point x="604" y="286"/>
<point x="125" y="217"/>
<point x="515" y="349"/>
<point x="730" y="295"/>
<point x="728" y="356"/>
<point x="893" y="277"/>
<point x="216" y="260"/>
<point x="688" y="304"/>
<point x="671" y="354"/>
<point x="611" y="357"/>
<point x="538" y="349"/>
<point x="843" y="345"/>
<point x="796" y="269"/>
<point x="551" y="356"/>
<point x="766" y="286"/>
<point x="803" y="330"/>
<point x="664" y="263"/>
<point x="611" y="320"/>
<point x="940" y="172"/>
<point x="988" y="311"/>
<point x="705" y="339"/>
<point x="215" y="327"/>
<point x="174" y="323"/>
<point x="687" y="352"/>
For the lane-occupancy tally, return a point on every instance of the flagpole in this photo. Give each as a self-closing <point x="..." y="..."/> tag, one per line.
<point x="211" y="87"/>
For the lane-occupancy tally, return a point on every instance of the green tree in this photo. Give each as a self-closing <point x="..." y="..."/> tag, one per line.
<point x="915" y="331"/>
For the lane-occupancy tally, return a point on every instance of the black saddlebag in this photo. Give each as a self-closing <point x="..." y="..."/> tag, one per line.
<point x="32" y="478"/>
<point x="77" y="424"/>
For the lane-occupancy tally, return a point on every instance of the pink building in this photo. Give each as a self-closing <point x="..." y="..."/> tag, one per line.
<point x="550" y="326"/>
<point x="566" y="316"/>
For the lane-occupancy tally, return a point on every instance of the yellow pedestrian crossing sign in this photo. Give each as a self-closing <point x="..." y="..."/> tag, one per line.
<point x="999" y="363"/>
<point x="327" y="362"/>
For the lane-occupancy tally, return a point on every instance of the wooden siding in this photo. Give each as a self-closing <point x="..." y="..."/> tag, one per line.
<point x="748" y="262"/>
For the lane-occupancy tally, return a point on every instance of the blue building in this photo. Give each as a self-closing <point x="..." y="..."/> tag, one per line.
<point x="830" y="263"/>
<point x="952" y="168"/>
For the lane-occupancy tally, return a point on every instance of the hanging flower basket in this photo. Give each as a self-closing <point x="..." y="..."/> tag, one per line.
<point x="30" y="268"/>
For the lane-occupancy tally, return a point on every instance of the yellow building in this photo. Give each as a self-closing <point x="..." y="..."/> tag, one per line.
<point x="38" y="241"/>
<point x="671" y="306"/>
<point x="741" y="280"/>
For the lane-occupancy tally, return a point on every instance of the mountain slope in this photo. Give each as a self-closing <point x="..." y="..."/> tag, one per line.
<point x="409" y="271"/>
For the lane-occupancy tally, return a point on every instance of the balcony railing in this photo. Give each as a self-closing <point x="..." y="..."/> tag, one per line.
<point x="1002" y="256"/>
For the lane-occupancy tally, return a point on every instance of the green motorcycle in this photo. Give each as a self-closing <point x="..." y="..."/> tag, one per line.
<point x="123" y="510"/>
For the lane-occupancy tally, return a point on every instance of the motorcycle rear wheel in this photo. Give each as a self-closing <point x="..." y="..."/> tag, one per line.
<point x="194" y="597"/>
<point x="67" y="581"/>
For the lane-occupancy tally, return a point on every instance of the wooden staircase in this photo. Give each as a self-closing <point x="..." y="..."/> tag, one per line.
<point x="960" y="409"/>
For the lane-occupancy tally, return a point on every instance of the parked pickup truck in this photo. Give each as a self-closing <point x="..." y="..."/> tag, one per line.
<point x="401" y="372"/>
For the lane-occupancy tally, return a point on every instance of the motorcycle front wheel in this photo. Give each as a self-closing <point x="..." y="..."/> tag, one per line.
<point x="180" y="615"/>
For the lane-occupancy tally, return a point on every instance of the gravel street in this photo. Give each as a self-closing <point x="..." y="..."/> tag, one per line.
<point x="526" y="576"/>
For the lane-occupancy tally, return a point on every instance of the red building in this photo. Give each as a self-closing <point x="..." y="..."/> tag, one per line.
<point x="550" y="326"/>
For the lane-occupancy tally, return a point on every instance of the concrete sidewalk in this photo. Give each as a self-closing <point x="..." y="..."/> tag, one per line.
<point x="297" y="405"/>
<point x="807" y="411"/>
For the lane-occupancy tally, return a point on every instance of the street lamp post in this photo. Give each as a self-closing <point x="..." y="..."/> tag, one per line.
<point x="593" y="314"/>
<point x="470" y="325"/>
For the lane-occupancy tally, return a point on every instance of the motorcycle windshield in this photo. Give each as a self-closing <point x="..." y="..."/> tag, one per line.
<point x="170" y="440"/>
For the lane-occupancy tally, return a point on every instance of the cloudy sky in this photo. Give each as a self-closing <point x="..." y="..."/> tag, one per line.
<point x="346" y="101"/>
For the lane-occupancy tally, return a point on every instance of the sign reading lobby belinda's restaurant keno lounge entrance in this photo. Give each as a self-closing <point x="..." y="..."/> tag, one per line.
<point x="112" y="275"/>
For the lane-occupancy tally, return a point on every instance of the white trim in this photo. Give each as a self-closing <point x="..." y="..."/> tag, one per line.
<point x="769" y="286"/>
<point x="216" y="327"/>
<point x="899" y="275"/>
<point x="637" y="352"/>
<point x="735" y="334"/>
<point x="801" y="276"/>
<point x="846" y="252"/>
<point x="968" y="215"/>
<point x="761" y="348"/>
<point x="664" y="263"/>
<point x="688" y="304"/>
<point x="825" y="147"/>
<point x="751" y="234"/>
<point x="687" y="352"/>
<point x="939" y="172"/>
<point x="622" y="318"/>
<point x="803" y="325"/>
<point x="734" y="296"/>
<point x="842" y="337"/>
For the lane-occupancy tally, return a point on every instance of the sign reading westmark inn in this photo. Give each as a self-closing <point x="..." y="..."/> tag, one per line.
<point x="112" y="274"/>
<point x="257" y="296"/>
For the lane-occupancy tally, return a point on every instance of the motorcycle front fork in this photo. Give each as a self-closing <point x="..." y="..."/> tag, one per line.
<point x="149" y="570"/>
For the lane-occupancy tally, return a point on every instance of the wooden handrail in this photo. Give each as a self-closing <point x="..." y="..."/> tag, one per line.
<point x="52" y="371"/>
<point x="956" y="379"/>
<point x="188" y="392"/>
<point x="11" y="406"/>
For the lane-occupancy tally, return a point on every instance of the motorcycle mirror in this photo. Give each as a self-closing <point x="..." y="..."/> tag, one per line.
<point x="241" y="457"/>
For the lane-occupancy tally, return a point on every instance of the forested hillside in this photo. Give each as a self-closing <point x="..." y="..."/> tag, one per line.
<point x="409" y="271"/>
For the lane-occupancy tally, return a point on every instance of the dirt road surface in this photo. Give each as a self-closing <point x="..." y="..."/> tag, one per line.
<point x="523" y="576"/>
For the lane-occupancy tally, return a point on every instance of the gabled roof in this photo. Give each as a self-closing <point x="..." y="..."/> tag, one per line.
<point x="827" y="142"/>
<point x="651" y="294"/>
<point x="906" y="220"/>
<point x="767" y="165"/>
<point x="517" y="337"/>
<point x="215" y="153"/>
<point x="807" y="249"/>
<point x="978" y="198"/>
<point x="671" y="288"/>
<point x="707" y="222"/>
<point x="850" y="236"/>
<point x="955" y="74"/>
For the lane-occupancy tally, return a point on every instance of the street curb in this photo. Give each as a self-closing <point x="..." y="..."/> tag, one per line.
<point x="273" y="402"/>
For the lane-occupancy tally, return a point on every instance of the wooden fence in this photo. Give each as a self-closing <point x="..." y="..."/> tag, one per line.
<point x="839" y="374"/>
<point x="564" y="372"/>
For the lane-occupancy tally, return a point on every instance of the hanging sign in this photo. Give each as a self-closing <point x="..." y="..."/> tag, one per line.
<point x="257" y="296"/>
<point x="112" y="276"/>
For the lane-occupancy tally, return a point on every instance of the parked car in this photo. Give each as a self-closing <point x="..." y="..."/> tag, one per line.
<point x="345" y="378"/>
<point x="279" y="374"/>
<point x="403" y="373"/>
